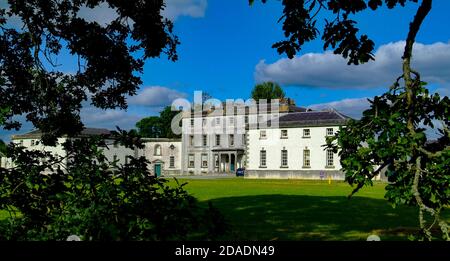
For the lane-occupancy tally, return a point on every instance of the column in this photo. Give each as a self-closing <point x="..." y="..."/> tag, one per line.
<point x="220" y="162"/>
<point x="229" y="162"/>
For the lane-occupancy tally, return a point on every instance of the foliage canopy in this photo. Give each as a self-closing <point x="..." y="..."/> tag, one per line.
<point x="48" y="196"/>
<point x="267" y="91"/>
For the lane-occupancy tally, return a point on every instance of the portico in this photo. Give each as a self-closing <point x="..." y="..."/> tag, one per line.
<point x="227" y="160"/>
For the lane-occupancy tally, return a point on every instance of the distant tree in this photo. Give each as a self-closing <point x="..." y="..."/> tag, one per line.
<point x="391" y="134"/>
<point x="166" y="117"/>
<point x="158" y="126"/>
<point x="149" y="127"/>
<point x="206" y="96"/>
<point x="267" y="91"/>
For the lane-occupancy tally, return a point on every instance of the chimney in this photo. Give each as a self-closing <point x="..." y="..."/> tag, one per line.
<point x="291" y="101"/>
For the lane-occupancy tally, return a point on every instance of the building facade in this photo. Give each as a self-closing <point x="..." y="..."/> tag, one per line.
<point x="295" y="149"/>
<point x="221" y="149"/>
<point x="163" y="154"/>
<point x="283" y="143"/>
<point x="4" y="161"/>
<point x="32" y="141"/>
<point x="215" y="141"/>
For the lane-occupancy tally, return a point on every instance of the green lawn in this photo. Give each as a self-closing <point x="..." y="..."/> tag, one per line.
<point x="304" y="210"/>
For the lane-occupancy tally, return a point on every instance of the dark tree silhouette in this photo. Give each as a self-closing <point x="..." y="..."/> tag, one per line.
<point x="109" y="57"/>
<point x="90" y="195"/>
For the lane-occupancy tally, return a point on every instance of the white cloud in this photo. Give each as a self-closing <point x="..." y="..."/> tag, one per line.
<point x="155" y="96"/>
<point x="350" y="107"/>
<point x="98" y="118"/>
<point x="103" y="14"/>
<point x="331" y="71"/>
<point x="177" y="8"/>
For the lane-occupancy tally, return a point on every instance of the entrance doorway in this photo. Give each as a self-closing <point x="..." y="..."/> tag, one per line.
<point x="157" y="170"/>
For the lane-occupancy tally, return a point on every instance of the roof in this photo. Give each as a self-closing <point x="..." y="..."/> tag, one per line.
<point x="244" y="110"/>
<point x="311" y="119"/>
<point x="37" y="134"/>
<point x="160" y="140"/>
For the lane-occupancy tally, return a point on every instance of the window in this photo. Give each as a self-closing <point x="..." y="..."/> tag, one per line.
<point x="114" y="158"/>
<point x="217" y="140"/>
<point x="231" y="139"/>
<point x="204" y="160"/>
<point x="306" y="133"/>
<point x="306" y="158"/>
<point x="284" y="158"/>
<point x="262" y="158"/>
<point x="205" y="140"/>
<point x="191" y="161"/>
<point x="330" y="132"/>
<point x="284" y="134"/>
<point x="191" y="140"/>
<point x="33" y="142"/>
<point x="157" y="150"/>
<point x="192" y="122"/>
<point x="172" y="162"/>
<point x="330" y="159"/>
<point x="246" y="119"/>
<point x="217" y="121"/>
<point x="260" y="118"/>
<point x="204" y="122"/>
<point x="231" y="120"/>
<point x="262" y="134"/>
<point x="116" y="145"/>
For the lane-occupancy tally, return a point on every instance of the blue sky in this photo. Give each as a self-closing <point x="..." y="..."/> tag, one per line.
<point x="226" y="48"/>
<point x="219" y="52"/>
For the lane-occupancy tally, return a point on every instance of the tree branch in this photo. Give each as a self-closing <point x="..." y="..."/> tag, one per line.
<point x="370" y="176"/>
<point x="414" y="27"/>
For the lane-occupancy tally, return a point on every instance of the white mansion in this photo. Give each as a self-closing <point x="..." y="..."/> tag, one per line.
<point x="295" y="148"/>
<point x="285" y="141"/>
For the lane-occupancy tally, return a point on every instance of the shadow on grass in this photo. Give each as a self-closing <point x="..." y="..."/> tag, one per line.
<point x="291" y="217"/>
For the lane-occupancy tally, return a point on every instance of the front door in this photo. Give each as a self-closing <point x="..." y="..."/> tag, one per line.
<point x="157" y="170"/>
<point x="232" y="163"/>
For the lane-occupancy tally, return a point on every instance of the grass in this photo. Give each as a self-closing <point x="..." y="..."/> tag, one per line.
<point x="304" y="210"/>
